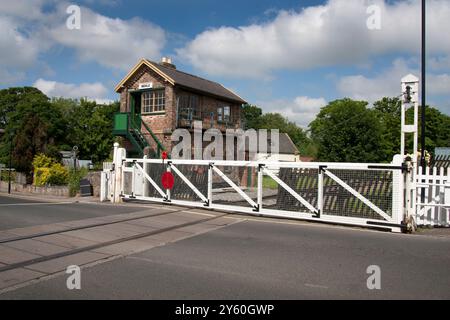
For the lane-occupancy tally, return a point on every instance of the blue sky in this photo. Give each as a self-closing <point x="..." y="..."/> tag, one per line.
<point x="285" y="56"/>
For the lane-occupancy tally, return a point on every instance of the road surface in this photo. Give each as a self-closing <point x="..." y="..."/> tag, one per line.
<point x="254" y="258"/>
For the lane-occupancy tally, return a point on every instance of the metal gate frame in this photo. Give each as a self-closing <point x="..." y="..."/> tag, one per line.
<point x="314" y="213"/>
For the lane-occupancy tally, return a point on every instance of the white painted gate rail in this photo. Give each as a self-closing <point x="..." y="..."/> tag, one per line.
<point x="343" y="193"/>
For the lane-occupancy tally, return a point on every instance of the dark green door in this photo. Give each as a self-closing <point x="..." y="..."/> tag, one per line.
<point x="136" y="103"/>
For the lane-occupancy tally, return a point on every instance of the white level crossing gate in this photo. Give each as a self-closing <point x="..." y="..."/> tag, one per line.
<point x="394" y="196"/>
<point x="342" y="193"/>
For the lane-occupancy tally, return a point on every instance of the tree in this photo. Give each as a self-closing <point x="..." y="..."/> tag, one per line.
<point x="11" y="97"/>
<point x="33" y="122"/>
<point x="347" y="131"/>
<point x="437" y="127"/>
<point x="89" y="126"/>
<point x="39" y="125"/>
<point x="389" y="112"/>
<point x="252" y="115"/>
<point x="297" y="134"/>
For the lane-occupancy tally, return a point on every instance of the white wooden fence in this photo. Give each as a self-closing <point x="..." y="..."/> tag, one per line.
<point x="433" y="197"/>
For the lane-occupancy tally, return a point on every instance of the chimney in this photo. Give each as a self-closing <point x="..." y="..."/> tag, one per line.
<point x="167" y="62"/>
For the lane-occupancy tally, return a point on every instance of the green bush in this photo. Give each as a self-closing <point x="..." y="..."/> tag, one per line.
<point x="42" y="161"/>
<point x="47" y="171"/>
<point x="74" y="179"/>
<point x="58" y="175"/>
<point x="41" y="176"/>
<point x="4" y="176"/>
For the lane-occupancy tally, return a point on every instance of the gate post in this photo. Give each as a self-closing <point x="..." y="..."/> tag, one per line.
<point x="103" y="186"/>
<point x="210" y="183"/>
<point x="408" y="192"/>
<point x="119" y="155"/>
<point x="259" y="190"/>
<point x="145" y="185"/>
<point x="320" y="191"/>
<point x="399" y="193"/>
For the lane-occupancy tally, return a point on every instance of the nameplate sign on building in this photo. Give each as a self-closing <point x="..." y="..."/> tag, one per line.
<point x="145" y="85"/>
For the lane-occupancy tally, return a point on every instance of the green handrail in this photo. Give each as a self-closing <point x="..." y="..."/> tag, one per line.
<point x="136" y="123"/>
<point x="158" y="143"/>
<point x="135" y="143"/>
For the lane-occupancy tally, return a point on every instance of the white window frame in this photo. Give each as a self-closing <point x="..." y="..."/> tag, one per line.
<point x="220" y="114"/>
<point x="226" y="115"/>
<point x="153" y="101"/>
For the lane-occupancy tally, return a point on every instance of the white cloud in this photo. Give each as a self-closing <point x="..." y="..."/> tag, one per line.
<point x="439" y="63"/>
<point x="439" y="84"/>
<point x="301" y="110"/>
<point x="93" y="91"/>
<point x="7" y="77"/>
<point x="18" y="51"/>
<point x="386" y="83"/>
<point x="27" y="9"/>
<point x="27" y="31"/>
<point x="111" y="42"/>
<point x="324" y="35"/>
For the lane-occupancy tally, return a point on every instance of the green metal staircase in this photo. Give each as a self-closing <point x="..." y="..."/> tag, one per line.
<point x="129" y="126"/>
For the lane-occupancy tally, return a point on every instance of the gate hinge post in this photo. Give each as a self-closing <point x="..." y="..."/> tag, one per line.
<point x="406" y="167"/>
<point x="320" y="190"/>
<point x="259" y="190"/>
<point x="210" y="184"/>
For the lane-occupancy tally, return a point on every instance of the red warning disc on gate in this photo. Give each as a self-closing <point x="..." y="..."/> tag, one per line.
<point x="167" y="180"/>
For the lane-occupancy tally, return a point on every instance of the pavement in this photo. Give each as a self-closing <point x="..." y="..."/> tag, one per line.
<point x="227" y="257"/>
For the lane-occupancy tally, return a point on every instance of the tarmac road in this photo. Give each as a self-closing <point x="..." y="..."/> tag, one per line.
<point x="267" y="259"/>
<point x="23" y="212"/>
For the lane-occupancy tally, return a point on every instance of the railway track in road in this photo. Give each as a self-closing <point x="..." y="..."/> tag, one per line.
<point x="95" y="246"/>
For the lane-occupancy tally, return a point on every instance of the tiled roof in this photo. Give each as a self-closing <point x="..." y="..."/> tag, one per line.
<point x="286" y="146"/>
<point x="193" y="82"/>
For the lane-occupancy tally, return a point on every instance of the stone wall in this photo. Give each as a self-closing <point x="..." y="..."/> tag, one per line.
<point x="61" y="191"/>
<point x="94" y="178"/>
